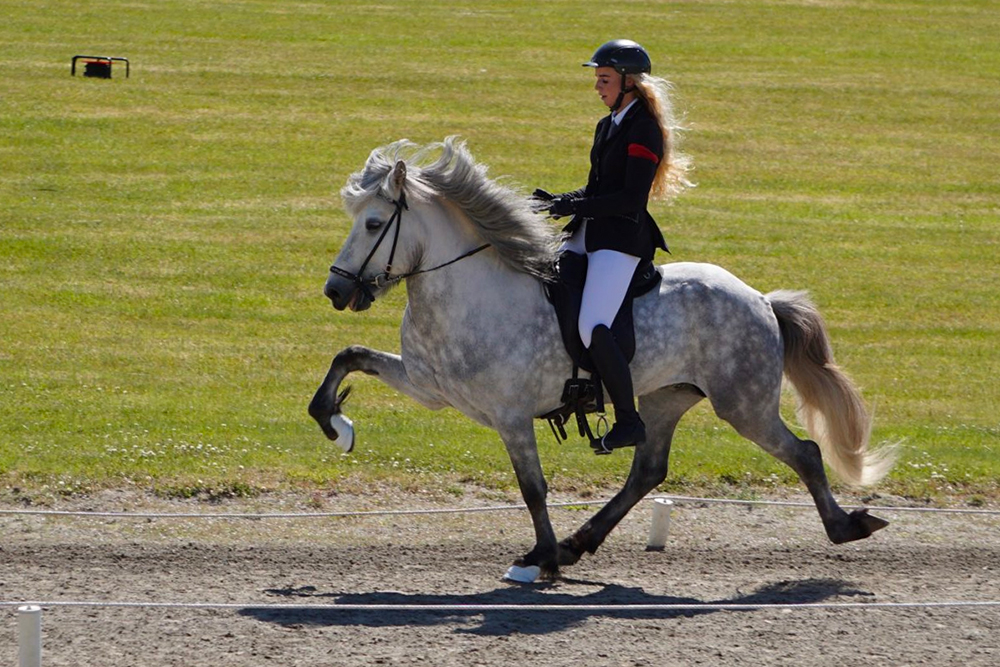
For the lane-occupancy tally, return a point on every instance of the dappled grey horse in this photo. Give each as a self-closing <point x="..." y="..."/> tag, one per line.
<point x="479" y="335"/>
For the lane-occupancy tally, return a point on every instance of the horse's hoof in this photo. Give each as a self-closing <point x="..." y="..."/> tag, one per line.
<point x="860" y="524"/>
<point x="522" y="575"/>
<point x="869" y="522"/>
<point x="569" y="553"/>
<point x="531" y="564"/>
<point x="343" y="428"/>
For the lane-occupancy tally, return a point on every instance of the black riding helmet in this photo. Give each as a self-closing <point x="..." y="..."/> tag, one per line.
<point x="626" y="57"/>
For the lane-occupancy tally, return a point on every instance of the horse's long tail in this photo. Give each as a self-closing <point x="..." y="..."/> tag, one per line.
<point x="829" y="405"/>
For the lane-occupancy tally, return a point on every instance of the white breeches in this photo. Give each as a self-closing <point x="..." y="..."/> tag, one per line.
<point x="609" y="274"/>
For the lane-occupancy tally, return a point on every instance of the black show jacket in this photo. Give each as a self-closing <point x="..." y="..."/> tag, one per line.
<point x="622" y="169"/>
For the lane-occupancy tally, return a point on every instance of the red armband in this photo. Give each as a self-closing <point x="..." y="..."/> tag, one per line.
<point x="640" y="151"/>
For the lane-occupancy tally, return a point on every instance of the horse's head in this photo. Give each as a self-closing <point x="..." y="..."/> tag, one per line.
<point x="444" y="210"/>
<point x="372" y="258"/>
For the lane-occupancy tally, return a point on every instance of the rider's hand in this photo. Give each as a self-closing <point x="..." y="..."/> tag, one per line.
<point x="562" y="207"/>
<point x="542" y="195"/>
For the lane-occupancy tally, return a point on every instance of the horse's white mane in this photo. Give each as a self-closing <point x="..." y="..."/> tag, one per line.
<point x="503" y="216"/>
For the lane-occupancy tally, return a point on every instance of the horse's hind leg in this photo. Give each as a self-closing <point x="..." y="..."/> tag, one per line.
<point x="661" y="410"/>
<point x="803" y="456"/>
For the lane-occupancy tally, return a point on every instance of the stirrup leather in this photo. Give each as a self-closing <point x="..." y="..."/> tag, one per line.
<point x="580" y="397"/>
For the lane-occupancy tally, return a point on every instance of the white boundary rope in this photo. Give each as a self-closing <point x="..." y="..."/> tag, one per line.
<point x="506" y="607"/>
<point x="482" y="608"/>
<point x="460" y="510"/>
<point x="786" y="503"/>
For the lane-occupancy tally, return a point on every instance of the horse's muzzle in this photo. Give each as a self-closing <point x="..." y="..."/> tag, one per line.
<point x="344" y="294"/>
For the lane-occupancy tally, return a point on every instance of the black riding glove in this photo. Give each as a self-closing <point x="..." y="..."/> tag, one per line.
<point x="540" y="200"/>
<point x="562" y="207"/>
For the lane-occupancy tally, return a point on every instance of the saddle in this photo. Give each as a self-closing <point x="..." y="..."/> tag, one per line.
<point x="583" y="396"/>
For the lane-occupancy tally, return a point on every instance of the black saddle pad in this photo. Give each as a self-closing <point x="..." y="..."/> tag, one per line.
<point x="565" y="293"/>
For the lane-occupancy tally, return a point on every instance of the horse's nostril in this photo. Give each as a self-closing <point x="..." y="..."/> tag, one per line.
<point x="331" y="293"/>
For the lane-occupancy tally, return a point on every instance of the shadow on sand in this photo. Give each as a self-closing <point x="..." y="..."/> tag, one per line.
<point x="503" y="622"/>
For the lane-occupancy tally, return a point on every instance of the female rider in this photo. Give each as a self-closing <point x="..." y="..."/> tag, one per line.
<point x="634" y="158"/>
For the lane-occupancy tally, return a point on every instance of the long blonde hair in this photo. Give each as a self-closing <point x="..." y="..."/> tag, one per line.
<point x="671" y="176"/>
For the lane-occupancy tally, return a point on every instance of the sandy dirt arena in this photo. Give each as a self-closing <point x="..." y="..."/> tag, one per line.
<point x="714" y="554"/>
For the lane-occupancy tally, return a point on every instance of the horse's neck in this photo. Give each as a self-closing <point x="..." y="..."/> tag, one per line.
<point x="474" y="330"/>
<point x="479" y="290"/>
<point x="452" y="232"/>
<point x="478" y="286"/>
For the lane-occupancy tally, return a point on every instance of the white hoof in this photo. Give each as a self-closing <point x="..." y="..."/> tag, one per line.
<point x="345" y="431"/>
<point x="522" y="575"/>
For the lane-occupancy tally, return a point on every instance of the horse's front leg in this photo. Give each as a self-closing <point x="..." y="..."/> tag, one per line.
<point x="523" y="452"/>
<point x="387" y="367"/>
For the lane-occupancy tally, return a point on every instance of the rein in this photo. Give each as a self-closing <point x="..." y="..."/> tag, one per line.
<point x="385" y="278"/>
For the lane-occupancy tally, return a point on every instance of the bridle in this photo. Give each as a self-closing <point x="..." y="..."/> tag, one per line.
<point x="380" y="280"/>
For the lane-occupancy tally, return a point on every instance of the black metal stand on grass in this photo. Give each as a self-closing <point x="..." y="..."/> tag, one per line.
<point x="98" y="66"/>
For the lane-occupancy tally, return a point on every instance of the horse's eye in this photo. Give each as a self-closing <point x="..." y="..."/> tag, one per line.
<point x="371" y="224"/>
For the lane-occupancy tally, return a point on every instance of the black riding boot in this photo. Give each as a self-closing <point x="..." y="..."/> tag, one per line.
<point x="617" y="379"/>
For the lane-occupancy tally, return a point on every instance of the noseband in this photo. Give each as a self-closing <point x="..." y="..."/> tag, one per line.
<point x="385" y="278"/>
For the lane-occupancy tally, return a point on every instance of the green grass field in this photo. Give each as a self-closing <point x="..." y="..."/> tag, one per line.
<point x="165" y="237"/>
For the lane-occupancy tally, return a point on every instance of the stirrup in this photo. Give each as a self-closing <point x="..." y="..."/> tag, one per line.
<point x="597" y="444"/>
<point x="601" y="447"/>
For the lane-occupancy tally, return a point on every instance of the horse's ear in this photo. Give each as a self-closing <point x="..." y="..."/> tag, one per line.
<point x="399" y="176"/>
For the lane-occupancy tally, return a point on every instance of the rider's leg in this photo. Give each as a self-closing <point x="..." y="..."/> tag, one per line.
<point x="577" y="242"/>
<point x="628" y="429"/>
<point x="609" y="274"/>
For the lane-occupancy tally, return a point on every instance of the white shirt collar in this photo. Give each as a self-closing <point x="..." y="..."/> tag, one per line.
<point x="617" y="116"/>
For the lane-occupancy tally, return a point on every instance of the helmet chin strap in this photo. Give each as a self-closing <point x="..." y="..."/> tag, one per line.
<point x="621" y="96"/>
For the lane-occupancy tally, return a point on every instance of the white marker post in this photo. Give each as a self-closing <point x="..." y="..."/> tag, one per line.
<point x="29" y="636"/>
<point x="661" y="524"/>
